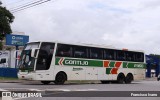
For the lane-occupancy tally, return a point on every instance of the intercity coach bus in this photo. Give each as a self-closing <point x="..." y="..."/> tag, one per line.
<point x="59" y="62"/>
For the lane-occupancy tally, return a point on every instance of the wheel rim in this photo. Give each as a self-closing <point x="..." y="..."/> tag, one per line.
<point x="60" y="79"/>
<point x="129" y="79"/>
<point x="120" y="79"/>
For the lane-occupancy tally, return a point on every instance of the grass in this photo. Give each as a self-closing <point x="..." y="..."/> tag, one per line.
<point x="7" y="78"/>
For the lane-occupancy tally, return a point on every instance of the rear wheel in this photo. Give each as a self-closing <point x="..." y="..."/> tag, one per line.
<point x="60" y="78"/>
<point x="45" y="82"/>
<point x="129" y="78"/>
<point x="121" y="78"/>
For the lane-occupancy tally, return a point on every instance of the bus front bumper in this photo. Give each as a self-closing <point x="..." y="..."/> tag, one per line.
<point x="26" y="76"/>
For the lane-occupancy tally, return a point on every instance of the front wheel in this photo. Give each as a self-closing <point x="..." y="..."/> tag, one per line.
<point x="60" y="78"/>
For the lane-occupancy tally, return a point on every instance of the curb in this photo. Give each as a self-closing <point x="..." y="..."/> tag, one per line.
<point x="11" y="81"/>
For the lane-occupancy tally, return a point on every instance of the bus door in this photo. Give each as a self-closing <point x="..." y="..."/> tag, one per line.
<point x="44" y="60"/>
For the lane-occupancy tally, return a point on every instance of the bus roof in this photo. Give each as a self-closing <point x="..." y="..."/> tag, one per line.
<point x="92" y="45"/>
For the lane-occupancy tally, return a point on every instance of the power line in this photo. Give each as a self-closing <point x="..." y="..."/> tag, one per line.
<point x="29" y="5"/>
<point x="25" y="3"/>
<point x="14" y="2"/>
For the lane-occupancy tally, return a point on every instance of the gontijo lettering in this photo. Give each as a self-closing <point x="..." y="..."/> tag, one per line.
<point x="76" y="62"/>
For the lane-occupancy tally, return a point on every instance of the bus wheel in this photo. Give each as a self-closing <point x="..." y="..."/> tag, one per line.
<point x="60" y="78"/>
<point x="45" y="82"/>
<point x="121" y="78"/>
<point x="129" y="78"/>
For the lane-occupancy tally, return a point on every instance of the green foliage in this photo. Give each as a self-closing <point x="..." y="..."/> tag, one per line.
<point x="6" y="18"/>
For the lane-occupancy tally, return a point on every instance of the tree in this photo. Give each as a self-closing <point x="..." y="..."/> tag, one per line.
<point x="6" y="18"/>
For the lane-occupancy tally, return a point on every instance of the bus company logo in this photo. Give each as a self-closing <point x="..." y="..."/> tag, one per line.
<point x="138" y="66"/>
<point x="61" y="61"/>
<point x="75" y="62"/>
<point x="6" y="94"/>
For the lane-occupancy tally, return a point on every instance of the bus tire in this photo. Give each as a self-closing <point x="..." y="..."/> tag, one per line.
<point x="61" y="77"/>
<point x="128" y="78"/>
<point x="45" y="82"/>
<point x="120" y="78"/>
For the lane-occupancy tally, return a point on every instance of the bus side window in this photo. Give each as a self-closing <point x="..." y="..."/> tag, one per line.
<point x="129" y="56"/>
<point x="139" y="57"/>
<point x="96" y="53"/>
<point x="109" y="54"/>
<point x="64" y="50"/>
<point x="80" y="52"/>
<point x="120" y="55"/>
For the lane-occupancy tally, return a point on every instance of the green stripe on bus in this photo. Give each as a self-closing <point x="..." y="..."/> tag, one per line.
<point x="111" y="64"/>
<point x="57" y="60"/>
<point x="78" y="62"/>
<point x="94" y="63"/>
<point x="136" y="65"/>
<point x="124" y="64"/>
<point x="108" y="70"/>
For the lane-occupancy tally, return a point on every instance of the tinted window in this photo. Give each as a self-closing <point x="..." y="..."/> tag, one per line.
<point x="109" y="54"/>
<point x="129" y="56"/>
<point x="96" y="53"/>
<point x="64" y="50"/>
<point x="120" y="55"/>
<point x="45" y="56"/>
<point x="139" y="57"/>
<point x="80" y="52"/>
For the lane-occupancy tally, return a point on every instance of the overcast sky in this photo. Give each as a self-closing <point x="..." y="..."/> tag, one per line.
<point x="132" y="24"/>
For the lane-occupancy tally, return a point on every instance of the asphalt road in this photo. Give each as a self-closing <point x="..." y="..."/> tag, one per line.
<point x="85" y="91"/>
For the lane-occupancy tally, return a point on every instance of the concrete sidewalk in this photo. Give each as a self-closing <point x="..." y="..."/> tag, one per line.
<point x="151" y="79"/>
<point x="11" y="81"/>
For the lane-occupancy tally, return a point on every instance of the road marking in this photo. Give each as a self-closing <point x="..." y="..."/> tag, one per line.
<point x="92" y="89"/>
<point x="64" y="90"/>
<point x="57" y="90"/>
<point x="34" y="90"/>
<point x="3" y="89"/>
<point x="70" y="90"/>
<point x="85" y="90"/>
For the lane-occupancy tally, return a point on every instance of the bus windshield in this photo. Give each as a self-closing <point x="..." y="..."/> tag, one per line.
<point x="26" y="62"/>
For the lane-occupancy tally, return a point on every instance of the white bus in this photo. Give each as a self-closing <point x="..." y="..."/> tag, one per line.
<point x="60" y="62"/>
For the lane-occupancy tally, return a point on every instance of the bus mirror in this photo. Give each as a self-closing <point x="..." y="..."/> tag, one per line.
<point x="34" y="52"/>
